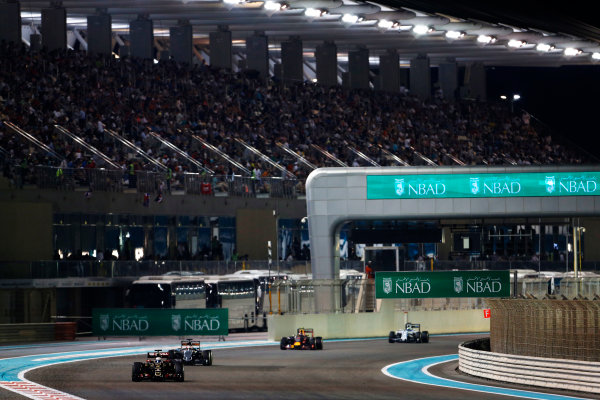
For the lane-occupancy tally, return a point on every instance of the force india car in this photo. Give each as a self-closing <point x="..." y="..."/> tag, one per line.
<point x="304" y="340"/>
<point x="190" y="353"/>
<point x="410" y="334"/>
<point x="159" y="366"/>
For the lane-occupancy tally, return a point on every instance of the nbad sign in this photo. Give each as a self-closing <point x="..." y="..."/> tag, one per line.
<point x="397" y="285"/>
<point x="159" y="322"/>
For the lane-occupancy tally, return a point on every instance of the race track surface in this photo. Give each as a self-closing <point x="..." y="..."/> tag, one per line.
<point x="342" y="370"/>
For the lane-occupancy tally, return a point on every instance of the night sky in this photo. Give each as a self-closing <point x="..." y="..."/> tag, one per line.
<point x="565" y="98"/>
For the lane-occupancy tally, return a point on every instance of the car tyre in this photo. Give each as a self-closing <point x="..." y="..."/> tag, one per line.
<point x="392" y="337"/>
<point x="136" y="371"/>
<point x="425" y="337"/>
<point x="179" y="374"/>
<point x="207" y="356"/>
<point x="319" y="343"/>
<point x="283" y="343"/>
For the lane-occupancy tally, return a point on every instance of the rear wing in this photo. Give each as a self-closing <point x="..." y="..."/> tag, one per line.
<point x="305" y="331"/>
<point x="190" y="343"/>
<point x="410" y="325"/>
<point x="158" y="353"/>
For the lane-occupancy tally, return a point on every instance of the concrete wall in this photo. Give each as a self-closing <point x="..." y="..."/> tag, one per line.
<point x="26" y="232"/>
<point x="377" y="324"/>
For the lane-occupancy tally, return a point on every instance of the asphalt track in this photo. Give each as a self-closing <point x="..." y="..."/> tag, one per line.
<point x="347" y="369"/>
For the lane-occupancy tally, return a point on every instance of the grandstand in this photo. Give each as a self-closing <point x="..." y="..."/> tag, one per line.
<point x="134" y="164"/>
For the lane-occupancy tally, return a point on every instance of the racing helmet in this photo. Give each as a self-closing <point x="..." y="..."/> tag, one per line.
<point x="158" y="359"/>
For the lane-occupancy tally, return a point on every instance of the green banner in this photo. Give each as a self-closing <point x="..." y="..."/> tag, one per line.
<point x="398" y="285"/>
<point x="442" y="186"/>
<point x="159" y="322"/>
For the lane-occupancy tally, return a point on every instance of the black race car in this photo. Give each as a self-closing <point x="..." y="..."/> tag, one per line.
<point x="190" y="353"/>
<point x="410" y="334"/>
<point x="304" y="340"/>
<point x="159" y="366"/>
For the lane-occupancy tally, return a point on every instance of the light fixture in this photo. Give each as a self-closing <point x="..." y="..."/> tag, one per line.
<point x="314" y="12"/>
<point x="422" y="29"/>
<point x="503" y="97"/>
<point x="350" y="18"/>
<point x="544" y="47"/>
<point x="516" y="97"/>
<point x="516" y="43"/>
<point x="596" y="56"/>
<point x="571" y="51"/>
<point x="454" y="35"/>
<point x="272" y="6"/>
<point x="486" y="39"/>
<point x="385" y="24"/>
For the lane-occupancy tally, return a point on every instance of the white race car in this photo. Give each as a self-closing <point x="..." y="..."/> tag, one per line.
<point x="410" y="334"/>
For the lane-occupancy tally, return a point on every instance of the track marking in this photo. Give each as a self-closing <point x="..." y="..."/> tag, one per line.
<point x="13" y="370"/>
<point x="37" y="392"/>
<point x="417" y="371"/>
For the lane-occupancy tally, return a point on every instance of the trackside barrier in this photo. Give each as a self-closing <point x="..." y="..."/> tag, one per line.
<point x="20" y="333"/>
<point x="582" y="376"/>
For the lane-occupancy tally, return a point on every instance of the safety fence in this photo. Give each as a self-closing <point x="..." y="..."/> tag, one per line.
<point x="546" y="372"/>
<point x="568" y="329"/>
<point x="142" y="181"/>
<point x="56" y="269"/>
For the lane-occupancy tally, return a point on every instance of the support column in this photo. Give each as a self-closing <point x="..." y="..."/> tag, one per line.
<point x="220" y="48"/>
<point x="257" y="54"/>
<point x="54" y="28"/>
<point x="99" y="34"/>
<point x="326" y="56"/>
<point x="181" y="42"/>
<point x="420" y="77"/>
<point x="389" y="71"/>
<point x="141" y="38"/>
<point x="292" y="67"/>
<point x="448" y="77"/>
<point x="10" y="22"/>
<point x="478" y="82"/>
<point x="358" y="66"/>
<point x="35" y="42"/>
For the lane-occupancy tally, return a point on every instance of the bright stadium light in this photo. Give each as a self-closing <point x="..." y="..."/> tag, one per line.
<point x="543" y="47"/>
<point x="516" y="97"/>
<point x="272" y="6"/>
<point x="486" y="39"/>
<point x="314" y="12"/>
<point x="350" y="18"/>
<point x="570" y="52"/>
<point x="454" y="35"/>
<point x="421" y="29"/>
<point x="515" y="44"/>
<point x="385" y="24"/>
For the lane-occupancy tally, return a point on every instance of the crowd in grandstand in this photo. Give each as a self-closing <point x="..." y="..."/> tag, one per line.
<point x="90" y="96"/>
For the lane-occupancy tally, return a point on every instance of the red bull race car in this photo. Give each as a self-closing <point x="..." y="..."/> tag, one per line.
<point x="304" y="340"/>
<point x="159" y="366"/>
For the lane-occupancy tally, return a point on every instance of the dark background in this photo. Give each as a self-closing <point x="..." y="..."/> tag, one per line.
<point x="565" y="98"/>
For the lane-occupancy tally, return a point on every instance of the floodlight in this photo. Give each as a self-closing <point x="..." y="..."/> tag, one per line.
<point x="570" y="52"/>
<point x="421" y="29"/>
<point x="454" y="34"/>
<point x="350" y="18"/>
<point x="544" y="47"/>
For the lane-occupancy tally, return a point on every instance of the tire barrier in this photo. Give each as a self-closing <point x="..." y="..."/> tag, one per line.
<point x="581" y="376"/>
